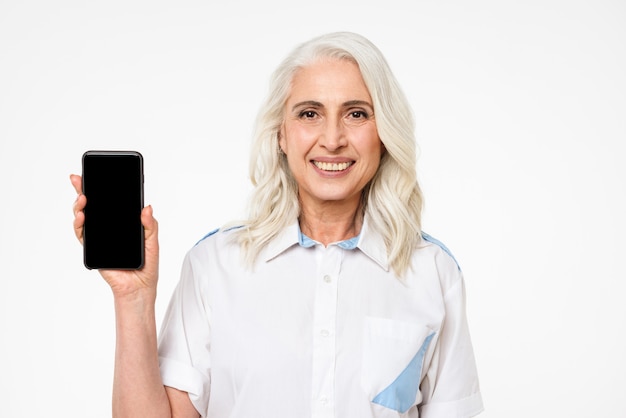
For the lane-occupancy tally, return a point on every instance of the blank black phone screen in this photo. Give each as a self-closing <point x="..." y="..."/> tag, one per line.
<point x="113" y="237"/>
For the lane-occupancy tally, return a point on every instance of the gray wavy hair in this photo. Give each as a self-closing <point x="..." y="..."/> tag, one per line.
<point x="392" y="201"/>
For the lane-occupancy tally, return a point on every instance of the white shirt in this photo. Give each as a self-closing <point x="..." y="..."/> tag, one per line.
<point x="315" y="331"/>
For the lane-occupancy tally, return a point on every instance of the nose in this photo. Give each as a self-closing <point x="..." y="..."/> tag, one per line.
<point x="334" y="135"/>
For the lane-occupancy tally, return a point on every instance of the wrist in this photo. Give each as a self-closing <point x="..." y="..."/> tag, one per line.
<point x="139" y="300"/>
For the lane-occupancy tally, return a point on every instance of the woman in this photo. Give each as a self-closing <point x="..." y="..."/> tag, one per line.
<point x="329" y="300"/>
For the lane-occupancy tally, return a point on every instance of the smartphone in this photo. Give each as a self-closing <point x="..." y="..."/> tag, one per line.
<point x="113" y="236"/>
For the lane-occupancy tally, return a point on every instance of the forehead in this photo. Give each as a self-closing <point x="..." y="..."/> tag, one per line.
<point x="329" y="79"/>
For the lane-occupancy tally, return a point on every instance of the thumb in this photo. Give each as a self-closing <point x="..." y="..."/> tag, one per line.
<point x="149" y="223"/>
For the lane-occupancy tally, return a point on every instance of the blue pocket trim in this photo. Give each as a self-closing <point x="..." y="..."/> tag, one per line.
<point x="400" y="395"/>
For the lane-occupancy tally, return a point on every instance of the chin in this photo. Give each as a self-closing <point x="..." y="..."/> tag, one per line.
<point x="335" y="197"/>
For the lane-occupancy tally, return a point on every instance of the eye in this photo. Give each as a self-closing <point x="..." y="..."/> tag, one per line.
<point x="358" y="114"/>
<point x="308" y="114"/>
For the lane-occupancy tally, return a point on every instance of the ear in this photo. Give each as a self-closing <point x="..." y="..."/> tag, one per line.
<point x="281" y="139"/>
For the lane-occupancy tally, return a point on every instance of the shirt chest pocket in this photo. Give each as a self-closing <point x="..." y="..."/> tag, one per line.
<point x="392" y="362"/>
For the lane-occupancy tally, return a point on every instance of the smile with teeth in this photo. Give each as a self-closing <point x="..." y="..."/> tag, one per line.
<point x="332" y="166"/>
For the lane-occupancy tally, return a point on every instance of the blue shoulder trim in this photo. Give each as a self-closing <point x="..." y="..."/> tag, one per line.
<point x="216" y="230"/>
<point x="438" y="243"/>
<point x="207" y="235"/>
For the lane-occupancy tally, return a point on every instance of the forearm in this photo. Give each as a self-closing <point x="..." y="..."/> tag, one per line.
<point x="137" y="386"/>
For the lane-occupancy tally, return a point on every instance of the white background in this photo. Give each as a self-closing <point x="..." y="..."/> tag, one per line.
<point x="521" y="120"/>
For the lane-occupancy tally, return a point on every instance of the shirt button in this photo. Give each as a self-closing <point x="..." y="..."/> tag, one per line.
<point x="324" y="333"/>
<point x="324" y="401"/>
<point x="328" y="279"/>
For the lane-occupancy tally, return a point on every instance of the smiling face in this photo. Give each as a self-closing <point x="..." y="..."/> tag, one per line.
<point x="329" y="134"/>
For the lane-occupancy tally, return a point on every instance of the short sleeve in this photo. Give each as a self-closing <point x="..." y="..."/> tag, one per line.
<point x="184" y="340"/>
<point x="450" y="387"/>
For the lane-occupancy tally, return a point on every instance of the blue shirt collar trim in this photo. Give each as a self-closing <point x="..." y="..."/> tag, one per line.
<point x="348" y="244"/>
<point x="368" y="241"/>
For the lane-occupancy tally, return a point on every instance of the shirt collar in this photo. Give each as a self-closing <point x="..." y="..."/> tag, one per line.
<point x="369" y="241"/>
<point x="287" y="238"/>
<point x="372" y="244"/>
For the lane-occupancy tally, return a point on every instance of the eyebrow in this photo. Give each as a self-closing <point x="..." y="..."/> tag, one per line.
<point x="349" y="103"/>
<point x="358" y="103"/>
<point x="312" y="103"/>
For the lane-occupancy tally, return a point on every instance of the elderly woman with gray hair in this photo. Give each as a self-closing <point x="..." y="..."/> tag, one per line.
<point x="328" y="300"/>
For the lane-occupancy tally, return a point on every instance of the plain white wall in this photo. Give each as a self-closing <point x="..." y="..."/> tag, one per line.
<point x="521" y="120"/>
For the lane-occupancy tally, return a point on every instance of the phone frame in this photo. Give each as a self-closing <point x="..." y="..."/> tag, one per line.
<point x="88" y="258"/>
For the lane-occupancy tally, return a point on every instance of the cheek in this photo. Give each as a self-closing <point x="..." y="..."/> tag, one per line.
<point x="297" y="138"/>
<point x="370" y="144"/>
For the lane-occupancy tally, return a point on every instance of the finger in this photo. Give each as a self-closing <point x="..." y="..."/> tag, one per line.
<point x="79" y="221"/>
<point x="77" y="182"/>
<point x="79" y="204"/>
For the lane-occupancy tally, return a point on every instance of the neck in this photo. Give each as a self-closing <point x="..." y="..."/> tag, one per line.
<point x="331" y="222"/>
